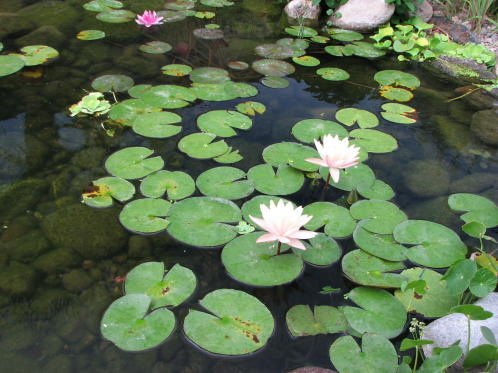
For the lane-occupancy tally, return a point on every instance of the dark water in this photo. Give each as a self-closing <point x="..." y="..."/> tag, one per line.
<point x="60" y="261"/>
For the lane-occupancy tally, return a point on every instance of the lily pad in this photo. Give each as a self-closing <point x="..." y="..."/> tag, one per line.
<point x="216" y="3"/>
<point x="355" y="177"/>
<point x="90" y="35"/>
<point x="298" y="46"/>
<point x="397" y="78"/>
<point x="365" y="50"/>
<point x="168" y="288"/>
<point x="222" y="122"/>
<point x="320" y="39"/>
<point x="213" y="92"/>
<point x="257" y="264"/>
<point x="116" y="16"/>
<point x="202" y="146"/>
<point x="169" y="96"/>
<point x="321" y="251"/>
<point x="206" y="33"/>
<point x="380" y="312"/>
<point x="274" y="82"/>
<point x="224" y="182"/>
<point x="231" y="156"/>
<point x="434" y="244"/>
<point x="252" y="207"/>
<point x="378" y="190"/>
<point x="179" y="5"/>
<point x="133" y="163"/>
<point x="237" y="324"/>
<point x="365" y="269"/>
<point x="114" y="83"/>
<point x="396" y="94"/>
<point x="126" y="111"/>
<point x="399" y="113"/>
<point x="380" y="216"/>
<point x="333" y="73"/>
<point x="155" y="47"/>
<point x="382" y="246"/>
<point x="483" y="283"/>
<point x="145" y="215"/>
<point x="275" y="51"/>
<point x="209" y="75"/>
<point x="302" y="321"/>
<point x="374" y="141"/>
<point x="157" y="125"/>
<point x="170" y="16"/>
<point x="272" y="67"/>
<point x="10" y="65"/>
<point x="340" y="51"/>
<point x="102" y="5"/>
<point x="306" y="61"/>
<point x="308" y="130"/>
<point x="301" y="31"/>
<point x="290" y="153"/>
<point x="376" y="355"/>
<point x="176" y="184"/>
<point x="103" y="191"/>
<point x="344" y="35"/>
<point x="478" y="208"/>
<point x="286" y="179"/>
<point x="137" y="91"/>
<point x="238" y="65"/>
<point x="436" y="301"/>
<point x="127" y="324"/>
<point x="33" y="55"/>
<point x="251" y="108"/>
<point x="206" y="15"/>
<point x="204" y="221"/>
<point x="336" y="220"/>
<point x="351" y="116"/>
<point x="176" y="70"/>
<point x="238" y="89"/>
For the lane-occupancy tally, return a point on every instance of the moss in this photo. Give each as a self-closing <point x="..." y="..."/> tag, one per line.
<point x="26" y="193"/>
<point x="18" y="280"/>
<point x="455" y="135"/>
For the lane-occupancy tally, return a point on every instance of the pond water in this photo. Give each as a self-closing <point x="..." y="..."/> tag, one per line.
<point x="61" y="262"/>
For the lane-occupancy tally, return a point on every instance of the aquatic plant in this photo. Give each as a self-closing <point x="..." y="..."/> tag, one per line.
<point x="94" y="103"/>
<point x="149" y="18"/>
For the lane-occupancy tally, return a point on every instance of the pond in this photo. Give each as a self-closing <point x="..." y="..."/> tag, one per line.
<point x="63" y="263"/>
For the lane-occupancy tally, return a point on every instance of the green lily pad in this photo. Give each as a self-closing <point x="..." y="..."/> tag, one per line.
<point x="201" y="146"/>
<point x="381" y="245"/>
<point x="116" y="16"/>
<point x="340" y="51"/>
<point x="320" y="39"/>
<point x="176" y="70"/>
<point x="379" y="190"/>
<point x="436" y="300"/>
<point x="321" y="251"/>
<point x="90" y="35"/>
<point x="170" y="16"/>
<point x="380" y="216"/>
<point x="114" y="83"/>
<point x="251" y="108"/>
<point x="10" y="65"/>
<point x="365" y="269"/>
<point x="458" y="276"/>
<point x="33" y="55"/>
<point x="237" y="324"/>
<point x="444" y="359"/>
<point x="179" y="5"/>
<point x="333" y="73"/>
<point x="301" y="31"/>
<point x="155" y="47"/>
<point x="240" y="89"/>
<point x="126" y="111"/>
<point x="275" y="51"/>
<point x="169" y="96"/>
<point x="397" y="78"/>
<point x="145" y="215"/>
<point x="224" y="182"/>
<point x="396" y="94"/>
<point x="157" y="125"/>
<point x="133" y="163"/>
<point x="336" y="220"/>
<point x="483" y="283"/>
<point x="302" y="321"/>
<point x="216" y="3"/>
<point x="272" y="67"/>
<point x="137" y="91"/>
<point x="365" y="50"/>
<point x="1" y="46"/>
<point x="399" y="113"/>
<point x="231" y="156"/>
<point x="306" y="61"/>
<point x="257" y="264"/>
<point x="286" y="179"/>
<point x="209" y="75"/>
<point x="308" y="130"/>
<point x="344" y="35"/>
<point x="376" y="355"/>
<point x="202" y="15"/>
<point x="168" y="288"/>
<point x="212" y="26"/>
<point x="435" y="245"/>
<point x="213" y="92"/>
<point x="176" y="184"/>
<point x="479" y="209"/>
<point x="204" y="221"/>
<point x="290" y="153"/>
<point x="222" y="122"/>
<point x="380" y="312"/>
<point x="351" y="116"/>
<point x="127" y="324"/>
<point x="352" y="177"/>
<point x="102" y="5"/>
<point x="298" y="46"/>
<point x="274" y="82"/>
<point x="206" y="33"/>
<point x="238" y="65"/>
<point x="374" y="141"/>
<point x="105" y="189"/>
<point x="252" y="207"/>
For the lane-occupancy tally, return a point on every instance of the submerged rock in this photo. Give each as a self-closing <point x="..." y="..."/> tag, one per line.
<point x="460" y="112"/>
<point x="363" y="15"/>
<point x="13" y="24"/>
<point x="302" y="9"/>
<point x="76" y="281"/>
<point x="436" y="210"/>
<point x="18" y="280"/>
<point x="455" y="135"/>
<point x="44" y="35"/>
<point x="458" y="69"/>
<point x="426" y="178"/>
<point x="25" y="193"/>
<point x="28" y="247"/>
<point x="480" y="100"/>
<point x="474" y="183"/>
<point x="60" y="364"/>
<point x="59" y="14"/>
<point x="485" y="126"/>
<point x="47" y="302"/>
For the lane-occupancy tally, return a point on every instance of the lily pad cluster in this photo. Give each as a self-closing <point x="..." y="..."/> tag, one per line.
<point x="31" y="55"/>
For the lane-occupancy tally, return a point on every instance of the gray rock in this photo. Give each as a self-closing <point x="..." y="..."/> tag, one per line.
<point x="474" y="183"/>
<point x="71" y="138"/>
<point x="363" y="15"/>
<point x="479" y="100"/>
<point x="28" y="247"/>
<point x="14" y="24"/>
<point x="18" y="363"/>
<point x="76" y="281"/>
<point x="47" y="302"/>
<point x="18" y="280"/>
<point x="57" y="261"/>
<point x="56" y="13"/>
<point x="90" y="232"/>
<point x="50" y="345"/>
<point x="424" y="10"/>
<point x="17" y="337"/>
<point x="454" y="134"/>
<point x="485" y="126"/>
<point x="59" y="364"/>
<point x="18" y="227"/>
<point x="452" y="328"/>
<point x="458" y="69"/>
<point x="26" y="193"/>
<point x="426" y="178"/>
<point x="460" y="112"/>
<point x="44" y="35"/>
<point x="302" y="9"/>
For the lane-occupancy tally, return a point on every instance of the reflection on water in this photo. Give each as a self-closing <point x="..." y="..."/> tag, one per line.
<point x="60" y="262"/>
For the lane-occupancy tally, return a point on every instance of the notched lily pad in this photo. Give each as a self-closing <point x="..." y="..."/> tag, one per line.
<point x="222" y="122"/>
<point x="145" y="215"/>
<point x="133" y="163"/>
<point x="114" y="83"/>
<point x="169" y="96"/>
<point x="102" y="191"/>
<point x="157" y="125"/>
<point x="33" y="55"/>
<point x="301" y="31"/>
<point x="359" y="176"/>
<point x="10" y="64"/>
<point x="308" y="130"/>
<point x="320" y="251"/>
<point x="176" y="70"/>
<point x="90" y="35"/>
<point x="302" y="321"/>
<point x="397" y="78"/>
<point x="378" y="216"/>
<point x="155" y="47"/>
<point x="274" y="82"/>
<point x="374" y="141"/>
<point x="285" y="180"/>
<point x="336" y="220"/>
<point x="478" y="208"/>
<point x="272" y="67"/>
<point x="225" y="182"/>
<point x="275" y="51"/>
<point x="116" y="16"/>
<point x="176" y="184"/>
<point x="251" y="108"/>
<point x="209" y="75"/>
<point x="206" y="33"/>
<point x="395" y="94"/>
<point x="399" y="113"/>
<point x="382" y="246"/>
<point x="333" y="73"/>
<point x="308" y="61"/>
<point x="351" y="116"/>
<point x="290" y="153"/>
<point x="202" y="146"/>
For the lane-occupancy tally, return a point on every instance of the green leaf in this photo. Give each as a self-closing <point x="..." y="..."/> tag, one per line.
<point x="301" y="31"/>
<point x="213" y="92"/>
<point x="458" y="276"/>
<point x="133" y="163"/>
<point x="145" y="215"/>
<point x="157" y="125"/>
<point x="90" y="35"/>
<point x="229" y="157"/>
<point x="114" y="187"/>
<point x="308" y="61"/>
<point x="333" y="73"/>
<point x="102" y="5"/>
<point x="336" y="220"/>
<point x="115" y="16"/>
<point x="238" y="65"/>
<point x="224" y="182"/>
<point x="396" y="94"/>
<point x="483" y="283"/>
<point x="251" y="108"/>
<point x="114" y="83"/>
<point x="344" y="35"/>
<point x="285" y="180"/>
<point x="272" y="67"/>
<point x="155" y="47"/>
<point x="379" y="216"/>
<point x="209" y="75"/>
<point x="237" y="323"/>
<point x="321" y="251"/>
<point x="378" y="190"/>
<point x="446" y="358"/>
<point x="474" y="229"/>
<point x="472" y="311"/>
<point x="479" y="209"/>
<point x="127" y="324"/>
<point x="356" y="177"/>
<point x="126" y="111"/>
<point x="308" y="130"/>
<point x="302" y="321"/>
<point x="351" y="116"/>
<point x="399" y="113"/>
<point x="290" y="153"/>
<point x="169" y="96"/>
<point x="408" y="344"/>
<point x="275" y="51"/>
<point x="380" y="245"/>
<point x="222" y="122"/>
<point x="373" y="141"/>
<point x="176" y="70"/>
<point x="488" y="335"/>
<point x="176" y="184"/>
<point x="481" y="355"/>
<point x="201" y="146"/>
<point x="397" y="78"/>
<point x="274" y="82"/>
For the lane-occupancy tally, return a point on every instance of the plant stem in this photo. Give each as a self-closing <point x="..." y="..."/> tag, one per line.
<point x="325" y="187"/>
<point x="416" y="358"/>
<point x="278" y="247"/>
<point x="465" y="94"/>
<point x="468" y="336"/>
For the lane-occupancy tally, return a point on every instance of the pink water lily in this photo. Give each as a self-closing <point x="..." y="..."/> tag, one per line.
<point x="336" y="154"/>
<point x="149" y="18"/>
<point x="283" y="222"/>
